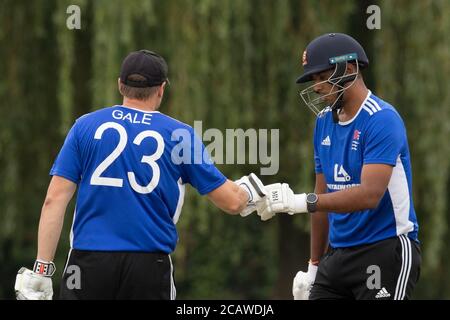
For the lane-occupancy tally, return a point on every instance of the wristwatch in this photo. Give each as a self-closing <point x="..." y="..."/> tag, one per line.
<point x="311" y="202"/>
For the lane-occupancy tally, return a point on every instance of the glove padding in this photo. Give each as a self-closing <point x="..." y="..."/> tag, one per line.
<point x="303" y="281"/>
<point x="255" y="189"/>
<point x="280" y="198"/>
<point x="32" y="286"/>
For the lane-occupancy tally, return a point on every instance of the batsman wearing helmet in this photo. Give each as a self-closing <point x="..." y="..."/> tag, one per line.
<point x="364" y="242"/>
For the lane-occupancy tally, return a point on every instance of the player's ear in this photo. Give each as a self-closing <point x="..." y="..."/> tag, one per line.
<point x="118" y="83"/>
<point x="351" y="68"/>
<point x="161" y="89"/>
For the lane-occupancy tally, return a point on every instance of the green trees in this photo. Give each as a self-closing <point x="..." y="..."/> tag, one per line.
<point x="232" y="64"/>
<point x="412" y="71"/>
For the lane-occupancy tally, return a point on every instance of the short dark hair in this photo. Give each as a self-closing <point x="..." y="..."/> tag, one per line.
<point x="135" y="92"/>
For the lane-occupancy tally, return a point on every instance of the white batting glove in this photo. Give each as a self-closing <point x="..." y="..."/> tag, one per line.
<point x="280" y="198"/>
<point x="37" y="284"/>
<point x="255" y="189"/>
<point x="303" y="281"/>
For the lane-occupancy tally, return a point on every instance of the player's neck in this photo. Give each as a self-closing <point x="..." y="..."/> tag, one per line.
<point x="352" y="101"/>
<point x="147" y="105"/>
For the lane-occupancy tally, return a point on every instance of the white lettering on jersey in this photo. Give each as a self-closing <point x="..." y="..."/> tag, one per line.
<point x="342" y="186"/>
<point x="98" y="180"/>
<point x="136" y="118"/>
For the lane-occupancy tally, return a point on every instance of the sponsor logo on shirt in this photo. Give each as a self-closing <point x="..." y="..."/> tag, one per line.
<point x="326" y="141"/>
<point x="340" y="175"/>
<point x="341" y="186"/>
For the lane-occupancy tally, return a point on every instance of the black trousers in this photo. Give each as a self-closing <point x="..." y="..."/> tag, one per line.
<point x="102" y="275"/>
<point x="385" y="270"/>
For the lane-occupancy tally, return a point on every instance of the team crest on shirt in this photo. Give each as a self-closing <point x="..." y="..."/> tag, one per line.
<point x="355" y="141"/>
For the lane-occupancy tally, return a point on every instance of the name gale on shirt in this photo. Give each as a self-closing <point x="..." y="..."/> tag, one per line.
<point x="138" y="117"/>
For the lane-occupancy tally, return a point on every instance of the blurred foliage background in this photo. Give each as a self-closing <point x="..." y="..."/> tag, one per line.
<point x="232" y="64"/>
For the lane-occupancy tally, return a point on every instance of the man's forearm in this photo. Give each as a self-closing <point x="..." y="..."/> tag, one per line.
<point x="59" y="193"/>
<point x="50" y="226"/>
<point x="348" y="200"/>
<point x="242" y="197"/>
<point x="229" y="197"/>
<point x="319" y="235"/>
<point x="319" y="224"/>
<point x="374" y="182"/>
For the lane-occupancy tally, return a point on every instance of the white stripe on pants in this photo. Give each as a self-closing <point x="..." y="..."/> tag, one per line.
<point x="402" y="282"/>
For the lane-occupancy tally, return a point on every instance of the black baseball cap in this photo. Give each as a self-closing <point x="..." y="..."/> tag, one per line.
<point x="146" y="63"/>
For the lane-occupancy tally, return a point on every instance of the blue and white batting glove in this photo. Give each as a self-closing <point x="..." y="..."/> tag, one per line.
<point x="280" y="198"/>
<point x="255" y="189"/>
<point x="35" y="284"/>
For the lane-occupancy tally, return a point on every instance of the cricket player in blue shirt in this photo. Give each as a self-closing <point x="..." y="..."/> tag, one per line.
<point x="364" y="230"/>
<point x="130" y="164"/>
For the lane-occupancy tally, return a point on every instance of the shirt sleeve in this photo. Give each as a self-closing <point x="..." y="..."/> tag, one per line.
<point x="384" y="139"/>
<point x="68" y="163"/>
<point x="201" y="172"/>
<point x="317" y="164"/>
